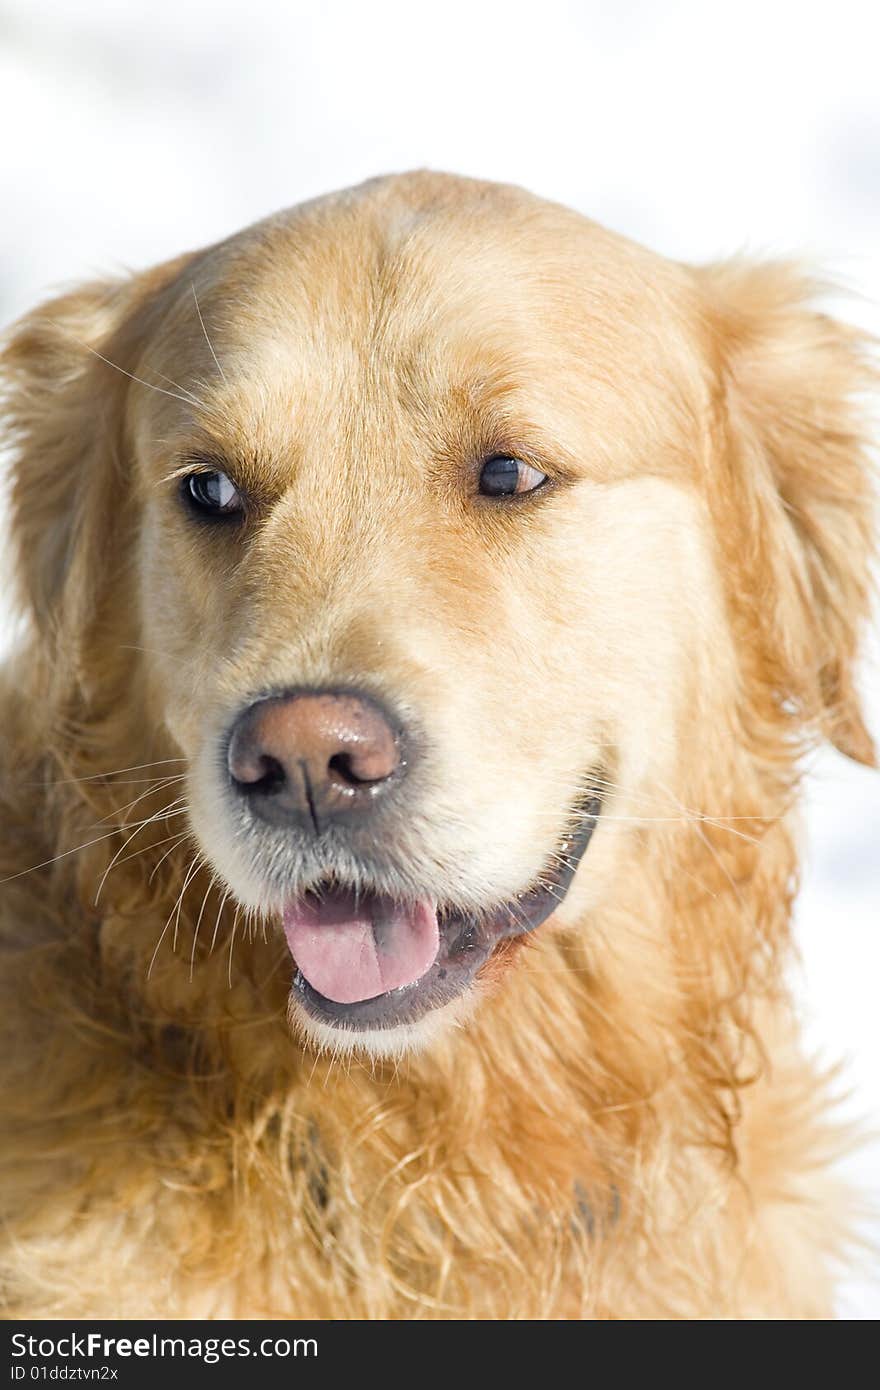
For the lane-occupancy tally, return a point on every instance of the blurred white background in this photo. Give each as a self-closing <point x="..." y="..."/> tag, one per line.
<point x="132" y="130"/>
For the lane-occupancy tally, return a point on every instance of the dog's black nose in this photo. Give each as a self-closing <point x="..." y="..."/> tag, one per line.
<point x="314" y="757"/>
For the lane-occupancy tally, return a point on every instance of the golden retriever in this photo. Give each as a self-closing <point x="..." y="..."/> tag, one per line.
<point x="430" y="598"/>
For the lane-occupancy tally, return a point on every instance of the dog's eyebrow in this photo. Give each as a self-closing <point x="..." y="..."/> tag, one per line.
<point x="198" y="461"/>
<point x="254" y="483"/>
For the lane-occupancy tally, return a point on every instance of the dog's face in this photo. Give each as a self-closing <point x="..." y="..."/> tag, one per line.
<point x="429" y="577"/>
<point x="419" y="590"/>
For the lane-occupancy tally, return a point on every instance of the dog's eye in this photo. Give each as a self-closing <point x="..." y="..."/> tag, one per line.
<point x="212" y="492"/>
<point x="501" y="476"/>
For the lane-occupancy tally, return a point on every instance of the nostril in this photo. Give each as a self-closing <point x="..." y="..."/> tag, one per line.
<point x="342" y="768"/>
<point x="264" y="776"/>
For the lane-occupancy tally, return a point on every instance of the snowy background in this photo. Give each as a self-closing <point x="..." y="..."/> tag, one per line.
<point x="131" y="130"/>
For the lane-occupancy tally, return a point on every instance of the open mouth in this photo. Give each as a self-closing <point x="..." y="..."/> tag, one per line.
<point x="367" y="962"/>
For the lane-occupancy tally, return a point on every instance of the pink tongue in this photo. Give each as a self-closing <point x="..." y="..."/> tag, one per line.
<point x="349" y="952"/>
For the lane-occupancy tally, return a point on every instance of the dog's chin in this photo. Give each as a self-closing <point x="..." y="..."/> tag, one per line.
<point x="390" y="1043"/>
<point x="386" y="978"/>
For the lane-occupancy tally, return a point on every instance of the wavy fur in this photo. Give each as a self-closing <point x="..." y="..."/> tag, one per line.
<point x="620" y="1124"/>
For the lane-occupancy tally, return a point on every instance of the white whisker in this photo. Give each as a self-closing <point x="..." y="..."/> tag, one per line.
<point x="217" y="921"/>
<point x="101" y="776"/>
<point x="205" y="331"/>
<point x="232" y="943"/>
<point x="157" y="866"/>
<point x="181" y="394"/>
<point x="76" y="849"/>
<point x="192" y="958"/>
<point x="181" y="835"/>
<point x="165" y="812"/>
<point x="191" y="872"/>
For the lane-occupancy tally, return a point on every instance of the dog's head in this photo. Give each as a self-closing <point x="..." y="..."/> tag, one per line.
<point x="442" y="532"/>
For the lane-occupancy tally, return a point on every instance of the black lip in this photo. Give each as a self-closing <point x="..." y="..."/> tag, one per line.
<point x="466" y="943"/>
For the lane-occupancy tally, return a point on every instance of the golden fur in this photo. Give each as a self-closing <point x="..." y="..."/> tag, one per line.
<point x="618" y="1122"/>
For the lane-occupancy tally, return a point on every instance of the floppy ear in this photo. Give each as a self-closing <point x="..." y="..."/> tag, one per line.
<point x="796" y="444"/>
<point x="61" y="406"/>
<point x="55" y="406"/>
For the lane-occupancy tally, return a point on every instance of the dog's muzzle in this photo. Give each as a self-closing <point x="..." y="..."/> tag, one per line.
<point x="367" y="962"/>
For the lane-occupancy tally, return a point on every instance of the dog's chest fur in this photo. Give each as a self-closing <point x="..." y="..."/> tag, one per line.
<point x="178" y="1172"/>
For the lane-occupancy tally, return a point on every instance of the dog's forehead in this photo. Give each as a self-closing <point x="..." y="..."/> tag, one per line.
<point x="390" y="309"/>
<point x="329" y="298"/>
